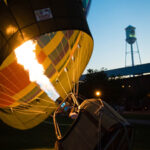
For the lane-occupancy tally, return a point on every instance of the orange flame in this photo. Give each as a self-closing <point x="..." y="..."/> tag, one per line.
<point x="26" y="56"/>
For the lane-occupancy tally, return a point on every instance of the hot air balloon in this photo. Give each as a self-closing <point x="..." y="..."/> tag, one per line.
<point x="45" y="46"/>
<point x="62" y="44"/>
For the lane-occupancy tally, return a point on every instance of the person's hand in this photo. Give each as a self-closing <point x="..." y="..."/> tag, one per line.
<point x="73" y="115"/>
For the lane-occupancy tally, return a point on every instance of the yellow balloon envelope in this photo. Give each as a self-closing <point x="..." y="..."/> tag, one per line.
<point x="64" y="47"/>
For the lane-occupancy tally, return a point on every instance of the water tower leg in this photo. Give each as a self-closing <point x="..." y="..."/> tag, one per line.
<point x="126" y="54"/>
<point x="132" y="57"/>
<point x="138" y="52"/>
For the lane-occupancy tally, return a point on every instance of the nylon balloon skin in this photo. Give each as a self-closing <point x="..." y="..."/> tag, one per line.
<point x="64" y="47"/>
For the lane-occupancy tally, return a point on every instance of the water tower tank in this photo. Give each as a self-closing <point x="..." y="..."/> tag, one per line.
<point x="130" y="34"/>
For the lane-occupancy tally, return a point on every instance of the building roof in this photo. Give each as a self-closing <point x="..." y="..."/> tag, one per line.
<point x="135" y="70"/>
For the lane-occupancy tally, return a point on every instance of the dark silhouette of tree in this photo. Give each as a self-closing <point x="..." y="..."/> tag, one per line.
<point x="98" y="80"/>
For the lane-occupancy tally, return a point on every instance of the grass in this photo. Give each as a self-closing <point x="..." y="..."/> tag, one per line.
<point x="137" y="115"/>
<point x="141" y="131"/>
<point x="141" y="137"/>
<point x="42" y="137"/>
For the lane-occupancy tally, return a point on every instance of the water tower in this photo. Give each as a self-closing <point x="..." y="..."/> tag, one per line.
<point x="131" y="39"/>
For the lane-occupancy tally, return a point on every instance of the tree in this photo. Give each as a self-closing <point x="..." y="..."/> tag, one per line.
<point x="98" y="80"/>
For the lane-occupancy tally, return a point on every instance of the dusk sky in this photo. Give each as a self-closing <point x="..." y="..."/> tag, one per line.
<point x="107" y="20"/>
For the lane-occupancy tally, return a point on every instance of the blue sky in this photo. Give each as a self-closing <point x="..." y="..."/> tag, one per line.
<point x="107" y="20"/>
